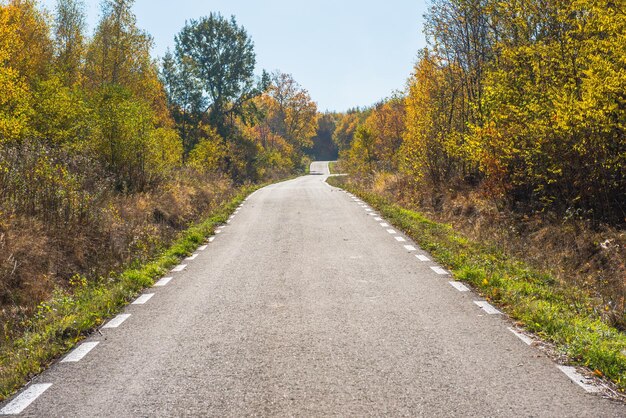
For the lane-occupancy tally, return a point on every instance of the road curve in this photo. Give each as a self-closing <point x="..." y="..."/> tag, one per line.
<point x="304" y="305"/>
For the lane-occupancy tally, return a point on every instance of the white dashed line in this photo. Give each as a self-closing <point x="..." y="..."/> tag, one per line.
<point x="527" y="340"/>
<point x="438" y="270"/>
<point x="421" y="257"/>
<point x="487" y="307"/>
<point x="378" y="219"/>
<point x="410" y="248"/>
<point x="179" y="267"/>
<point x="203" y="247"/>
<point x="143" y="299"/>
<point x="372" y="214"/>
<point x="79" y="352"/>
<point x="191" y="257"/>
<point x="400" y="239"/>
<point x="459" y="286"/>
<point x="164" y="281"/>
<point x="369" y="210"/>
<point x="21" y="402"/>
<point x="384" y="224"/>
<point x="117" y="321"/>
<point x="392" y="231"/>
<point x="211" y="239"/>
<point x="579" y="379"/>
<point x="218" y="231"/>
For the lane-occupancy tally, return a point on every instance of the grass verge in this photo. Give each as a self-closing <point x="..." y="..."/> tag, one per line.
<point x="73" y="314"/>
<point x="563" y="316"/>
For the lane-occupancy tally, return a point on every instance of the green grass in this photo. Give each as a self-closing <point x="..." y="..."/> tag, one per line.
<point x="561" y="315"/>
<point x="70" y="316"/>
<point x="331" y="167"/>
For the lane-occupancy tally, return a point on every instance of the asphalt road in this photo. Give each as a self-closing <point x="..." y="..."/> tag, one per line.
<point x="304" y="305"/>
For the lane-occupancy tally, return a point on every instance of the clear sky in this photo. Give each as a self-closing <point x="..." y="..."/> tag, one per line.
<point x="347" y="53"/>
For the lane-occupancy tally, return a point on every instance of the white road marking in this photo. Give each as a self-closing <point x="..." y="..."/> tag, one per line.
<point x="579" y="379"/>
<point x="21" y="402"/>
<point x="400" y="239"/>
<point x="487" y="307"/>
<point x="203" y="247"/>
<point x="218" y="231"/>
<point x="378" y="219"/>
<point x="384" y="224"/>
<point x="438" y="270"/>
<point x="421" y="257"/>
<point x="117" y="321"/>
<point x="392" y="231"/>
<point x="372" y="214"/>
<point x="228" y="221"/>
<point x="143" y="299"/>
<point x="369" y="210"/>
<point x="191" y="257"/>
<point x="527" y="340"/>
<point x="164" y="281"/>
<point x="79" y="352"/>
<point x="179" y="267"/>
<point x="410" y="248"/>
<point x="459" y="286"/>
<point x="211" y="239"/>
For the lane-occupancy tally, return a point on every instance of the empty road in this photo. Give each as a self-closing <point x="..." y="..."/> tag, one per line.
<point x="307" y="304"/>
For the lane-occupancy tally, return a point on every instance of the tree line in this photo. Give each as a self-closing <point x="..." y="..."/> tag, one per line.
<point x="522" y="100"/>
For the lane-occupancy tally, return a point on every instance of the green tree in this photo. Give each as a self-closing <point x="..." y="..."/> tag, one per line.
<point x="219" y="55"/>
<point x="185" y="99"/>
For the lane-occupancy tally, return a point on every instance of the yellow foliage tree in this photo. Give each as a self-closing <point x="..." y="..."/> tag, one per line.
<point x="14" y="92"/>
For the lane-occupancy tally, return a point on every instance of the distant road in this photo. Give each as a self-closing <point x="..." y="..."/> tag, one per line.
<point x="305" y="305"/>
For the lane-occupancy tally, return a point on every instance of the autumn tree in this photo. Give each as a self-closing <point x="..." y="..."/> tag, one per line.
<point x="292" y="113"/>
<point x="69" y="36"/>
<point x="386" y="122"/>
<point x="33" y="61"/>
<point x="346" y="126"/>
<point x="133" y="132"/>
<point x="14" y="91"/>
<point x="434" y="123"/>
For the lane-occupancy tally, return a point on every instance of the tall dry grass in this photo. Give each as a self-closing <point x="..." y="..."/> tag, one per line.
<point x="577" y="252"/>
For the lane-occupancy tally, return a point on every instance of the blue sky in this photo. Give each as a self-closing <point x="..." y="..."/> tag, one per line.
<point x="347" y="53"/>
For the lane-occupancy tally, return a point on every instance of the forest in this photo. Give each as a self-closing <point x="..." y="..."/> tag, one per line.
<point x="106" y="153"/>
<point x="512" y="129"/>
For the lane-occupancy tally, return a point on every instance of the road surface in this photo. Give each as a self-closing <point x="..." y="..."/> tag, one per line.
<point x="305" y="305"/>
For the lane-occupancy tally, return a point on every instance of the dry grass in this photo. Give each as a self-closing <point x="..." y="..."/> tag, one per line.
<point x="577" y="253"/>
<point x="122" y="231"/>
